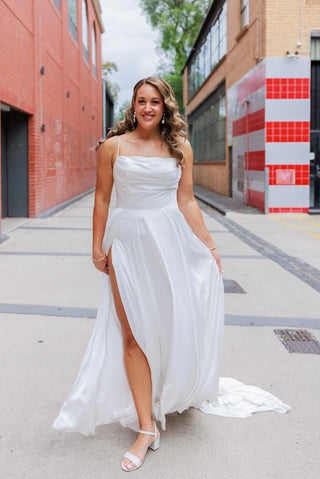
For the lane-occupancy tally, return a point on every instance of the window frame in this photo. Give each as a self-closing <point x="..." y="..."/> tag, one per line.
<point x="94" y="49"/>
<point x="73" y="21"/>
<point x="244" y="14"/>
<point x="85" y="30"/>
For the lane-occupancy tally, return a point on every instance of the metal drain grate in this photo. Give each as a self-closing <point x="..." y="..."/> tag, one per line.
<point x="231" y="286"/>
<point x="298" y="341"/>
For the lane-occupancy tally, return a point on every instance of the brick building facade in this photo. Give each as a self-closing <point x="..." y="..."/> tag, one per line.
<point x="51" y="102"/>
<point x="252" y="95"/>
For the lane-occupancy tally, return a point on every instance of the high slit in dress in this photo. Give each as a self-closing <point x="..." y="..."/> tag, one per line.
<point x="172" y="293"/>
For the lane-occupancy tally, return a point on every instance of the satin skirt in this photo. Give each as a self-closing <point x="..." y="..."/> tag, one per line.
<point x="172" y="293"/>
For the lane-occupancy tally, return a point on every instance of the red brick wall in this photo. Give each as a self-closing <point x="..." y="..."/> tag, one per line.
<point x="16" y="54"/>
<point x="35" y="34"/>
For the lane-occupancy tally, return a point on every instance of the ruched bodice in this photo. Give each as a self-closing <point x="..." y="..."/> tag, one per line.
<point x="146" y="182"/>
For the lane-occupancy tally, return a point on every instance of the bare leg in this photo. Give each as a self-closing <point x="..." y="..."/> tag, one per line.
<point x="138" y="373"/>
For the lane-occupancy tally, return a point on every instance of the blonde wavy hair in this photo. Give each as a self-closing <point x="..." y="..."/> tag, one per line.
<point x="172" y="132"/>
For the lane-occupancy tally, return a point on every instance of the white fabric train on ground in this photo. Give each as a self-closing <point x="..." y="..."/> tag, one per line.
<point x="236" y="399"/>
<point x="172" y="293"/>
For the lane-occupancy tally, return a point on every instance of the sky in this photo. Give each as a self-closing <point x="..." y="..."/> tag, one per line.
<point x="130" y="42"/>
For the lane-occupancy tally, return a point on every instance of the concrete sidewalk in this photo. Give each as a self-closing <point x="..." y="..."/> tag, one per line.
<point x="49" y="294"/>
<point x="277" y="229"/>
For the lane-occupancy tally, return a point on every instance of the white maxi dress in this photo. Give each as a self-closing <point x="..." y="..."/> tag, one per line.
<point x="172" y="293"/>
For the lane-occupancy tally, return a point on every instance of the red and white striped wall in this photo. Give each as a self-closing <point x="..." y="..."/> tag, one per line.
<point x="269" y="131"/>
<point x="288" y="133"/>
<point x="246" y="122"/>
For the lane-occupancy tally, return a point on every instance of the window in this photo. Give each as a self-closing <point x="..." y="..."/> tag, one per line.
<point x="208" y="128"/>
<point x="202" y="63"/>
<point x="207" y="61"/>
<point x="213" y="48"/>
<point x="73" y="19"/>
<point x="244" y="13"/>
<point x="85" y="30"/>
<point x="93" y="51"/>
<point x="223" y="32"/>
<point x="57" y="3"/>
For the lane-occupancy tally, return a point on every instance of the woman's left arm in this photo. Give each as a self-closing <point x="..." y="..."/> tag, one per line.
<point x="190" y="208"/>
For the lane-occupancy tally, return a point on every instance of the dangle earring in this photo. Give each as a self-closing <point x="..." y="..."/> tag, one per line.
<point x="163" y="120"/>
<point x="134" y="117"/>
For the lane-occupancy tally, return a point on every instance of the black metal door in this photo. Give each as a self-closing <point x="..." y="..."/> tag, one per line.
<point x="4" y="166"/>
<point x="315" y="136"/>
<point x="14" y="164"/>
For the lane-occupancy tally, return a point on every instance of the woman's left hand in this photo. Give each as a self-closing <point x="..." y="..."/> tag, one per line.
<point x="217" y="258"/>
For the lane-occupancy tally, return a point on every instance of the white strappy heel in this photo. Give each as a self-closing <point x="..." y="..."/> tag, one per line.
<point x="133" y="458"/>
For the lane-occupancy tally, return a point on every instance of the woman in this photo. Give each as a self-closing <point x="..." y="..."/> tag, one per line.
<point x="156" y="344"/>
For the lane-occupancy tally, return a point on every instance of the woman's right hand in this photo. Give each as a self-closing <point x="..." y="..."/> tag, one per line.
<point x="107" y="154"/>
<point x="101" y="264"/>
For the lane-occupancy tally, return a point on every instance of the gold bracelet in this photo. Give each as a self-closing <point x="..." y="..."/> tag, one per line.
<point x="213" y="248"/>
<point x="99" y="259"/>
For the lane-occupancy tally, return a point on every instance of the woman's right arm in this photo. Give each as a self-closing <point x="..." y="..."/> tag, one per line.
<point x="102" y="200"/>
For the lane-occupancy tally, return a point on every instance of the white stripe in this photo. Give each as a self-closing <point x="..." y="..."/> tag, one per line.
<point x="287" y="110"/>
<point x="237" y="109"/>
<point x="256" y="142"/>
<point x="288" y="153"/>
<point x="282" y="67"/>
<point x="255" y="180"/>
<point x="289" y="196"/>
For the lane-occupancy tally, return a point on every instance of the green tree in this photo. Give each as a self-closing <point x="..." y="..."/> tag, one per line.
<point x="179" y="22"/>
<point x="121" y="110"/>
<point x="174" y="79"/>
<point x="107" y="69"/>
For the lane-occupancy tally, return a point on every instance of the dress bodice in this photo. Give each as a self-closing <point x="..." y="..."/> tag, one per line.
<point x="146" y="182"/>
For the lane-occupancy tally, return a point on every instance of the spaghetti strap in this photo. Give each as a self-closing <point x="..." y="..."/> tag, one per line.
<point x="118" y="146"/>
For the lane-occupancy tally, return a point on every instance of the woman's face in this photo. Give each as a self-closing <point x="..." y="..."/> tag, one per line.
<point x="148" y="106"/>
